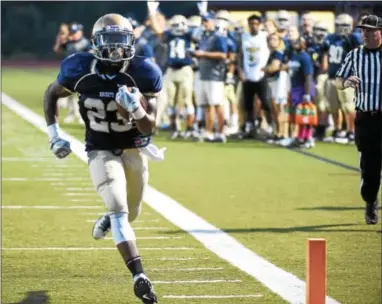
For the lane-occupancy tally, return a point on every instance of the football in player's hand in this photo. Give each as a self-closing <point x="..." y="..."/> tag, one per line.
<point x="125" y="113"/>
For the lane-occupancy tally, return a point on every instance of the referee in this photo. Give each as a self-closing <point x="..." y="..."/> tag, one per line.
<point x="362" y="69"/>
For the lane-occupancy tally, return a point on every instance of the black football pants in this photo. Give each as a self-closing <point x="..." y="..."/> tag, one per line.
<point x="368" y="138"/>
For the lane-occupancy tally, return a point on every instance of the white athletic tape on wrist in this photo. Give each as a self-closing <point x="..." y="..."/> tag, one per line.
<point x="139" y="113"/>
<point x="53" y="131"/>
<point x="120" y="228"/>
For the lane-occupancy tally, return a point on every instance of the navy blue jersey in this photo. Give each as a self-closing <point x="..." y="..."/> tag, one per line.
<point x="275" y="55"/>
<point x="316" y="51"/>
<point x="144" y="48"/>
<point x="231" y="44"/>
<point x="337" y="48"/>
<point x="106" y="129"/>
<point x="300" y="65"/>
<point x="177" y="49"/>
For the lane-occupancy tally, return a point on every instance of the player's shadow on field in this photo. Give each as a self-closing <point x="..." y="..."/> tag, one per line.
<point x="317" y="228"/>
<point x="35" y="297"/>
<point x="333" y="208"/>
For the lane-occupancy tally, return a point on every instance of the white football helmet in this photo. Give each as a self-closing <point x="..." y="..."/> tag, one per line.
<point x="282" y="20"/>
<point x="344" y="24"/>
<point x="222" y="22"/>
<point x="113" y="38"/>
<point x="320" y="31"/>
<point x="194" y="21"/>
<point x="178" y="25"/>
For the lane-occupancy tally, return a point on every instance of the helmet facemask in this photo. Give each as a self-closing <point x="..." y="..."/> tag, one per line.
<point x="114" y="44"/>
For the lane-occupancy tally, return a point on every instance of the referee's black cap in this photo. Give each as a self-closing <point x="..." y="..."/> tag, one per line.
<point x="371" y="22"/>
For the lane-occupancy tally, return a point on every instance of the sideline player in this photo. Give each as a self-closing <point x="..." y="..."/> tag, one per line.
<point x="117" y="147"/>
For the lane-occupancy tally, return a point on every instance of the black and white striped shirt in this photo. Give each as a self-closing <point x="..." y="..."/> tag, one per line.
<point x="367" y="65"/>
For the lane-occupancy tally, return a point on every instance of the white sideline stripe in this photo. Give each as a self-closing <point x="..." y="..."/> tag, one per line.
<point x="285" y="284"/>
<point x="50" y="207"/>
<point x="91" y="248"/>
<point x="152" y="238"/>
<point x="40" y="179"/>
<point x="187" y="269"/>
<point x="213" y="296"/>
<point x="197" y="282"/>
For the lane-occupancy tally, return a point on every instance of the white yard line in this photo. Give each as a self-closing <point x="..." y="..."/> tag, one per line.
<point x="50" y="207"/>
<point x="188" y="269"/>
<point x="153" y="238"/>
<point x="197" y="282"/>
<point x="213" y="296"/>
<point x="90" y="189"/>
<point x="40" y="179"/>
<point x="281" y="282"/>
<point x="177" y="259"/>
<point x="93" y="248"/>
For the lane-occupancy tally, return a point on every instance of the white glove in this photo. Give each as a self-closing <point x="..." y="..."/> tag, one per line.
<point x="130" y="101"/>
<point x="202" y="6"/>
<point x="60" y="147"/>
<point x="152" y="7"/>
<point x="306" y="98"/>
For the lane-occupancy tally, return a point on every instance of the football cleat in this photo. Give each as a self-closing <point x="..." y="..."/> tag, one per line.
<point x="144" y="290"/>
<point x="101" y="227"/>
<point x="371" y="213"/>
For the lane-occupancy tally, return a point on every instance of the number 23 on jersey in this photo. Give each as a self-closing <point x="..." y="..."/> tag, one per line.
<point x="104" y="117"/>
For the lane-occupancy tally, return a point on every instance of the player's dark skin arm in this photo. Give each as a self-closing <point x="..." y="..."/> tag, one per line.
<point x="308" y="81"/>
<point x="146" y="125"/>
<point x="53" y="92"/>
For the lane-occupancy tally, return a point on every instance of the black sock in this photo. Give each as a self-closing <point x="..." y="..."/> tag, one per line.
<point x="135" y="265"/>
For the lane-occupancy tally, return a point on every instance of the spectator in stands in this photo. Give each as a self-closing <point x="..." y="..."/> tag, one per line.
<point x="283" y="23"/>
<point x="270" y="26"/>
<point x="77" y="42"/>
<point x="253" y="57"/>
<point x="307" y="23"/>
<point x="61" y="39"/>
<point x="278" y="93"/>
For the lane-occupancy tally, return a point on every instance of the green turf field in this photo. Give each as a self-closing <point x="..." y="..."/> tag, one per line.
<point x="268" y="198"/>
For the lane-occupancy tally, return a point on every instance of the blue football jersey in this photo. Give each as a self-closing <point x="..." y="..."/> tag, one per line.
<point x="300" y="65"/>
<point x="337" y="48"/>
<point x="316" y="51"/>
<point x="177" y="49"/>
<point x="275" y="55"/>
<point x="106" y="129"/>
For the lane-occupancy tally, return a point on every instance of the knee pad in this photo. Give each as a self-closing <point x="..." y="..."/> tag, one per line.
<point x="120" y="228"/>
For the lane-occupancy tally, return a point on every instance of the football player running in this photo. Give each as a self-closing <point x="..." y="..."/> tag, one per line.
<point x="110" y="84"/>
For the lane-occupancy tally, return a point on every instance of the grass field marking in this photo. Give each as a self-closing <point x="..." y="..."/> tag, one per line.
<point x="136" y="221"/>
<point x="28" y="159"/>
<point x="188" y="269"/>
<point x="93" y="248"/>
<point x="285" y="284"/>
<point x="50" y="207"/>
<point x="75" y="189"/>
<point x="258" y="295"/>
<point x="82" y="194"/>
<point x="86" y="200"/>
<point x="176" y="259"/>
<point x="153" y="238"/>
<point x="39" y="179"/>
<point x="197" y="282"/>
